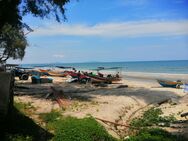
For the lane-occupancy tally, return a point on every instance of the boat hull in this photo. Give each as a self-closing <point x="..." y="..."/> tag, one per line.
<point x="171" y="84"/>
<point x="99" y="79"/>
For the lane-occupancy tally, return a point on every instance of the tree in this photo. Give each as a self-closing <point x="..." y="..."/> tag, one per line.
<point x="13" y="43"/>
<point x="12" y="39"/>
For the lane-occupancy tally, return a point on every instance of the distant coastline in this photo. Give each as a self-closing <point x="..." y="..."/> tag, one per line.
<point x="172" y="67"/>
<point x="103" y="62"/>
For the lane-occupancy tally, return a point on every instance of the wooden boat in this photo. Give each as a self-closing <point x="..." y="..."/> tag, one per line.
<point x="42" y="70"/>
<point x="109" y="79"/>
<point x="72" y="74"/>
<point x="172" y="84"/>
<point x="55" y="74"/>
<point x="63" y="67"/>
<point x="95" y="80"/>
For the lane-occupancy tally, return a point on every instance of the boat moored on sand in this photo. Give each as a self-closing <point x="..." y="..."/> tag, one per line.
<point x="171" y="84"/>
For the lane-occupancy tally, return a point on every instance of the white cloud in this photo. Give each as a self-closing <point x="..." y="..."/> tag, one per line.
<point x="58" y="56"/>
<point x="120" y="29"/>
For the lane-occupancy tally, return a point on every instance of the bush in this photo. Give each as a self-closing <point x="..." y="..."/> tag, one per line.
<point x="152" y="117"/>
<point x="25" y="108"/>
<point x="87" y="129"/>
<point x="155" y="134"/>
<point x="74" y="129"/>
<point x="51" y="117"/>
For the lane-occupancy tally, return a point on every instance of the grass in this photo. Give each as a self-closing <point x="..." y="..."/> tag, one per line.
<point x="25" y="108"/>
<point x="74" y="129"/>
<point x="152" y="117"/>
<point x="147" y="127"/>
<point x="155" y="134"/>
<point x="59" y="128"/>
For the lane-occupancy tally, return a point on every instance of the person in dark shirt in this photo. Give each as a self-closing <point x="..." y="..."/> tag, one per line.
<point x="79" y="74"/>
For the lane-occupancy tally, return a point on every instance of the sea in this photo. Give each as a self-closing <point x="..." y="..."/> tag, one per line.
<point x="172" y="67"/>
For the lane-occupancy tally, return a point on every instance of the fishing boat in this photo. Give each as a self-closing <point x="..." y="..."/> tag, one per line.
<point x="96" y="78"/>
<point x="109" y="78"/>
<point x="57" y="74"/>
<point x="171" y="84"/>
<point x="101" y="79"/>
<point x="53" y="73"/>
<point x="64" y="67"/>
<point x="43" y="70"/>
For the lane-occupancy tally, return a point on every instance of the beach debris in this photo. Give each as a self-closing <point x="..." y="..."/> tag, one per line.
<point x="61" y="99"/>
<point x="164" y="101"/>
<point x="129" y="119"/>
<point x="48" y="95"/>
<point x="184" y="115"/>
<point x="101" y="85"/>
<point x="22" y="87"/>
<point x="71" y="80"/>
<point x="38" y="80"/>
<point x="127" y="137"/>
<point x="122" y="86"/>
<point x="119" y="128"/>
<point x="115" y="123"/>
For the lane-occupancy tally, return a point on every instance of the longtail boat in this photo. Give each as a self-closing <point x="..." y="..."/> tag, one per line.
<point x="57" y="74"/>
<point x="96" y="78"/>
<point x="53" y="73"/>
<point x="43" y="70"/>
<point x="171" y="84"/>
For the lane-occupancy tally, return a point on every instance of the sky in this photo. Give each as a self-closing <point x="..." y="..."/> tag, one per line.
<point x="111" y="31"/>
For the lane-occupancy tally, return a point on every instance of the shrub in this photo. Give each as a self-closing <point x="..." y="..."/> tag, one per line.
<point x="152" y="117"/>
<point x="155" y="134"/>
<point x="74" y="129"/>
<point x="51" y="117"/>
<point x="87" y="129"/>
<point x="25" y="108"/>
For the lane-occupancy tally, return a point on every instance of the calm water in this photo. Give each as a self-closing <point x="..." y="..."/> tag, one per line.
<point x="177" y="67"/>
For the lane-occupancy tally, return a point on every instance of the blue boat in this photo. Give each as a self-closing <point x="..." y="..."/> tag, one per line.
<point x="171" y="84"/>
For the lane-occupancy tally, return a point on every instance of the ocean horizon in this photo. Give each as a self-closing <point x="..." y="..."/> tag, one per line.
<point x="174" y="67"/>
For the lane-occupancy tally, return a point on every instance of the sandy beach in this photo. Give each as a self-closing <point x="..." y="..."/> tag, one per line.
<point x="114" y="103"/>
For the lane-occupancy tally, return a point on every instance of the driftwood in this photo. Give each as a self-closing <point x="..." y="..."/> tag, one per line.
<point x="184" y="114"/>
<point x="58" y="95"/>
<point x="22" y="87"/>
<point x="163" y="101"/>
<point x="114" y="123"/>
<point x="48" y="95"/>
<point x="122" y="86"/>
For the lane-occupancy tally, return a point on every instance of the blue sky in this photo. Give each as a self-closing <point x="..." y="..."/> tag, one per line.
<point x="111" y="31"/>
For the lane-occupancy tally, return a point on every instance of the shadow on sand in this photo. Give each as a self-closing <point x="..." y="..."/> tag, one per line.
<point x="84" y="93"/>
<point x="80" y="92"/>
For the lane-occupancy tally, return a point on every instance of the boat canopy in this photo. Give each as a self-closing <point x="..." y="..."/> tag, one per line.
<point x="24" y="68"/>
<point x="111" y="68"/>
<point x="64" y="67"/>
